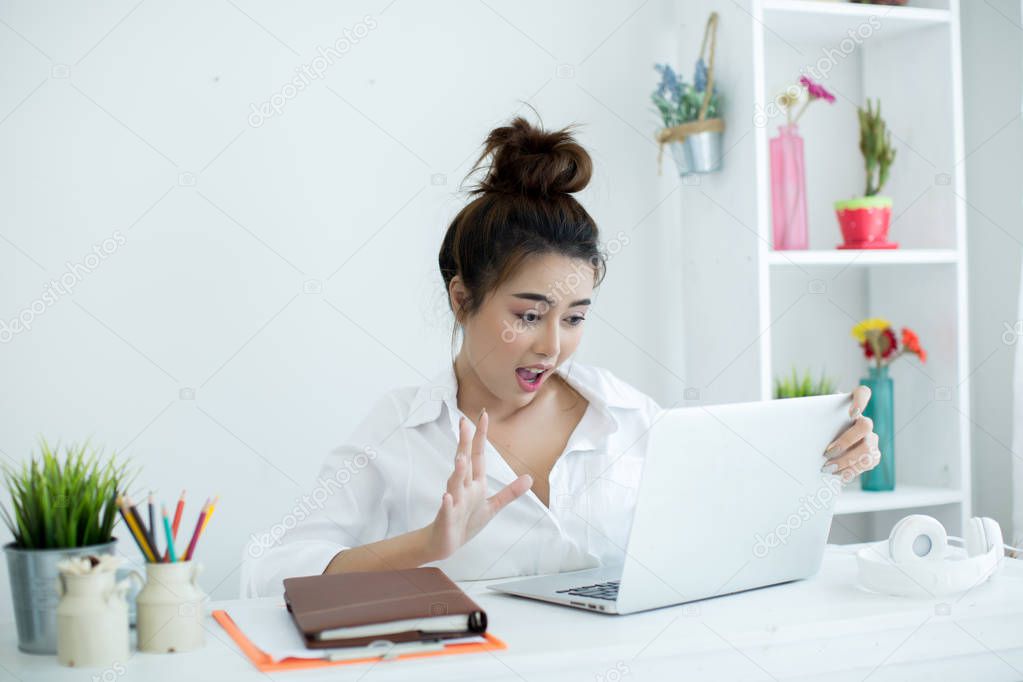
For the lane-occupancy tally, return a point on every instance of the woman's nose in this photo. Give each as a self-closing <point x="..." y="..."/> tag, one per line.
<point x="548" y="342"/>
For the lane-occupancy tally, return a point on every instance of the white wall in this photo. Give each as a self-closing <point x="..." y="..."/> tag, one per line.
<point x="992" y="90"/>
<point x="286" y="273"/>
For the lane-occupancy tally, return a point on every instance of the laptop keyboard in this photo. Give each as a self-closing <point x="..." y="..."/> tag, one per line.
<point x="608" y="590"/>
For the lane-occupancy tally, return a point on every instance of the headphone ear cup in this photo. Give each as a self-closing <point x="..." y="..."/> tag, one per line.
<point x="994" y="536"/>
<point x="897" y="532"/>
<point x="982" y="534"/>
<point x="917" y="537"/>
<point x="975" y="537"/>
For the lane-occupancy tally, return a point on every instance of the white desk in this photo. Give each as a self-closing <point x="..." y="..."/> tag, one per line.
<point x="822" y="628"/>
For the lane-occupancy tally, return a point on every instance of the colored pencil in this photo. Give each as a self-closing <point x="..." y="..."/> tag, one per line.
<point x="152" y="517"/>
<point x="150" y="540"/>
<point x="133" y="528"/>
<point x="177" y="514"/>
<point x="170" y="536"/>
<point x="119" y="501"/>
<point x="209" y="513"/>
<point x="177" y="521"/>
<point x="198" y="530"/>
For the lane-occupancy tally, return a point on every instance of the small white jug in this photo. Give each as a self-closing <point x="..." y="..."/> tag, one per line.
<point x="169" y="609"/>
<point x="92" y="619"/>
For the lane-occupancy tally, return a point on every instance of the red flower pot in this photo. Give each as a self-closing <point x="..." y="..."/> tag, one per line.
<point x="864" y="222"/>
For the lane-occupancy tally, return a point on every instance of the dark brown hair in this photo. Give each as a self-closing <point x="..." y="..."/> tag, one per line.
<point x="523" y="207"/>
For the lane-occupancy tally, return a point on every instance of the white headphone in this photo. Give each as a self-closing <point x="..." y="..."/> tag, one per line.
<point x="915" y="561"/>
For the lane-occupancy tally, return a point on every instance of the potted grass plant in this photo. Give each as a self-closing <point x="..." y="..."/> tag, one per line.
<point x="864" y="220"/>
<point x="801" y="386"/>
<point x="62" y="505"/>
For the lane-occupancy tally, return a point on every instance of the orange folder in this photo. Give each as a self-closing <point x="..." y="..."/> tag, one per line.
<point x="265" y="663"/>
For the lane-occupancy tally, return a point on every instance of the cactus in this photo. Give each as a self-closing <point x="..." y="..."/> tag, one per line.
<point x="876" y="147"/>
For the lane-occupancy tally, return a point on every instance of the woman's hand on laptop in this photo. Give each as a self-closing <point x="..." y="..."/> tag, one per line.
<point x="855" y="450"/>
<point x="465" y="508"/>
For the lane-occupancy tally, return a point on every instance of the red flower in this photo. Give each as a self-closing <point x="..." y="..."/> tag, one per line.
<point x="885" y="341"/>
<point x="912" y="343"/>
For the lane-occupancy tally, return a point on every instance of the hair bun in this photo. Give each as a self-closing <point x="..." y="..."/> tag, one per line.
<point x="532" y="161"/>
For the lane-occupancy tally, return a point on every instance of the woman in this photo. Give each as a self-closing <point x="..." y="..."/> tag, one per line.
<point x="419" y="485"/>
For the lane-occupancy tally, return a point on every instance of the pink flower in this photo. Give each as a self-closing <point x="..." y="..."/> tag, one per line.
<point x="816" y="90"/>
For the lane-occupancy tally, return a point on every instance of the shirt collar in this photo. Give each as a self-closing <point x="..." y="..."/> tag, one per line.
<point x="598" y="390"/>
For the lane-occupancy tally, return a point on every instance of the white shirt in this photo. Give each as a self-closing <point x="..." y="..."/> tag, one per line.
<point x="389" y="479"/>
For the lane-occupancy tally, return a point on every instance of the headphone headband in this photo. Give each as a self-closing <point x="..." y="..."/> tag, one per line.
<point x="915" y="561"/>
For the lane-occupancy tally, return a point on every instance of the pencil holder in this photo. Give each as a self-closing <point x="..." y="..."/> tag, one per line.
<point x="170" y="608"/>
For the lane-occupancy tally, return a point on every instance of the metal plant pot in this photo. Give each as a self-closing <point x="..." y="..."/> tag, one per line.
<point x="680" y="152"/>
<point x="704" y="151"/>
<point x="33" y="574"/>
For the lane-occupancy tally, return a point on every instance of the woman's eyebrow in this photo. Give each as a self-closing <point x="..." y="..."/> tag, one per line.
<point x="540" y="297"/>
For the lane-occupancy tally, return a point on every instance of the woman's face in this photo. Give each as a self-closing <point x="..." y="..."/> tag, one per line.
<point x="533" y="321"/>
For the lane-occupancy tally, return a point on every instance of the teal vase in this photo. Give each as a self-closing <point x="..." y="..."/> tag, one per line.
<point x="881" y="409"/>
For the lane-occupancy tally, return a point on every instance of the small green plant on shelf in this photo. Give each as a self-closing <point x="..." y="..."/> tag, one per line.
<point x="63" y="501"/>
<point x="799" y="387"/>
<point x="876" y="147"/>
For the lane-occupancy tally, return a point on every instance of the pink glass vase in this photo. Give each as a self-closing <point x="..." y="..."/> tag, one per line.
<point x="788" y="189"/>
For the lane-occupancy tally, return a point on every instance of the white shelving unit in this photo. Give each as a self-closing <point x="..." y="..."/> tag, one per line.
<point x="854" y="501"/>
<point x="862" y="258"/>
<point x="798" y="307"/>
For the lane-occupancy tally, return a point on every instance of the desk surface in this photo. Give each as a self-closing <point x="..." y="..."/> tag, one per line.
<point x="821" y="628"/>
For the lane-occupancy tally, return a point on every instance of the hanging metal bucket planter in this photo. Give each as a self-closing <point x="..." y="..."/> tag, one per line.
<point x="696" y="145"/>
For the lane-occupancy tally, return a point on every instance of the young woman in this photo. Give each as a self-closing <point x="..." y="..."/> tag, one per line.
<point x="515" y="460"/>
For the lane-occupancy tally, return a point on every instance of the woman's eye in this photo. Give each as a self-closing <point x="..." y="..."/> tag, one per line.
<point x="532" y="317"/>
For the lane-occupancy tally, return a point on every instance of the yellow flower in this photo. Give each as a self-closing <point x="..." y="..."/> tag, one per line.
<point x="871" y="324"/>
<point x="787" y="100"/>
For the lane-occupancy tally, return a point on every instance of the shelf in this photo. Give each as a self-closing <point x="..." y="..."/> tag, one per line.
<point x="862" y="257"/>
<point x="853" y="500"/>
<point x="827" y="23"/>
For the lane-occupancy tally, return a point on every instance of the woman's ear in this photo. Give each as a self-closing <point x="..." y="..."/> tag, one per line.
<point x="458" y="297"/>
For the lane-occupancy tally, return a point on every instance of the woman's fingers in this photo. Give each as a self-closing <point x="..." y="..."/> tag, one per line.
<point x="463" y="436"/>
<point x="864" y="457"/>
<point x="446" y="502"/>
<point x="860" y="398"/>
<point x="509" y="493"/>
<point x="860" y="428"/>
<point x="457" y="476"/>
<point x="478" y="444"/>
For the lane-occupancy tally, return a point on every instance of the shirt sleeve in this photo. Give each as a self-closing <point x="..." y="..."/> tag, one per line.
<point x="349" y="505"/>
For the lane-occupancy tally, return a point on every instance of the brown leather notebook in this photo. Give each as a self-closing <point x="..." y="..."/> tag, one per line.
<point x="355" y="609"/>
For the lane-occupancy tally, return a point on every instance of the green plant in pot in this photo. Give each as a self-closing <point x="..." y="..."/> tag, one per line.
<point x="61" y="506"/>
<point x="693" y="126"/>
<point x="864" y="220"/>
<point x="800" y="387"/>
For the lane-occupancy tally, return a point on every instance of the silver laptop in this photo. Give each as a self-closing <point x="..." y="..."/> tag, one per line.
<point x="731" y="498"/>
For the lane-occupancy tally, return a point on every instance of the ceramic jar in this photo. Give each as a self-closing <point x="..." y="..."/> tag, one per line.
<point x="92" y="619"/>
<point x="170" y="608"/>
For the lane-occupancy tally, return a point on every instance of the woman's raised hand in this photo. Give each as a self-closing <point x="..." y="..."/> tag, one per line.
<point x="465" y="508"/>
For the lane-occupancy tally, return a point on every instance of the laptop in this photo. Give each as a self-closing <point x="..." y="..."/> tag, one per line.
<point x="731" y="498"/>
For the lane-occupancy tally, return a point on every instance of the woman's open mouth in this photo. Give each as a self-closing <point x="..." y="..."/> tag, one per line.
<point x="530" y="378"/>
